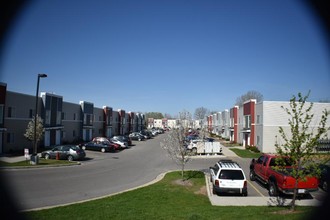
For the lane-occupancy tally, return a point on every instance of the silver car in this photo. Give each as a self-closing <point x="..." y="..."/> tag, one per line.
<point x="64" y="152"/>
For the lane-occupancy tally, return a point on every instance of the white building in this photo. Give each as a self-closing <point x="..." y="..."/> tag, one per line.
<point x="270" y="116"/>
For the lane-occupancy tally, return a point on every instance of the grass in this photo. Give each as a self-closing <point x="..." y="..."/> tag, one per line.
<point x="42" y="162"/>
<point x="245" y="153"/>
<point x="166" y="199"/>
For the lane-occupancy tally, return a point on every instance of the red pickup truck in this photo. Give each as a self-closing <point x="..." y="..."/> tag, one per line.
<point x="279" y="181"/>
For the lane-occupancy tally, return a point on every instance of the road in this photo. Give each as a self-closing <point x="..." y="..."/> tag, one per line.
<point x="103" y="174"/>
<point x="99" y="175"/>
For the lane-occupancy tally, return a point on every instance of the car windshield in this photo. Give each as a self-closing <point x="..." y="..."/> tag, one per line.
<point x="75" y="148"/>
<point x="231" y="174"/>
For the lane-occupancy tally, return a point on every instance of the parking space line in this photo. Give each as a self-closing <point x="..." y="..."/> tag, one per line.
<point x="255" y="188"/>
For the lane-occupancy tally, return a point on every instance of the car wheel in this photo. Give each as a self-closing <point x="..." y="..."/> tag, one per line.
<point x="139" y="139"/>
<point x="272" y="190"/>
<point x="325" y="186"/>
<point x="252" y="175"/>
<point x="194" y="151"/>
<point x="47" y="156"/>
<point x="84" y="148"/>
<point x="102" y="150"/>
<point x="213" y="191"/>
<point x="70" y="158"/>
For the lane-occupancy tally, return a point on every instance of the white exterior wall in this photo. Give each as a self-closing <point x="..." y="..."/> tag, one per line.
<point x="272" y="117"/>
<point x="240" y="126"/>
<point x="225" y="118"/>
<point x="158" y="123"/>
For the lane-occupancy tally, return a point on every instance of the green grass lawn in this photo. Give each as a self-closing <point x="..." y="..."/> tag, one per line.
<point x="245" y="153"/>
<point x="166" y="199"/>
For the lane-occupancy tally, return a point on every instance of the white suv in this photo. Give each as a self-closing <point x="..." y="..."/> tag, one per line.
<point x="228" y="177"/>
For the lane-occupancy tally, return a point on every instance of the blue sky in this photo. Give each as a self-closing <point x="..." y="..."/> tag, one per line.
<point x="167" y="55"/>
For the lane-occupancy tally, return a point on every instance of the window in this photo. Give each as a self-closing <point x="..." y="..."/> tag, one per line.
<point x="11" y="112"/>
<point x="231" y="174"/>
<point x="10" y="138"/>
<point x="31" y="113"/>
<point x="58" y="117"/>
<point x="1" y="114"/>
<point x="258" y="119"/>
<point x="247" y="121"/>
<point x="63" y="116"/>
<point x="47" y="117"/>
<point x="74" y="116"/>
<point x="258" y="140"/>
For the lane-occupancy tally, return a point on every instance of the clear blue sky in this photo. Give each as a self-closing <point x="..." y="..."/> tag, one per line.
<point x="167" y="55"/>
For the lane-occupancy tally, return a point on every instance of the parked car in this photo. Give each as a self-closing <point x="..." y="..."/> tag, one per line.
<point x="228" y="177"/>
<point x="128" y="139"/>
<point x="146" y="134"/>
<point x="108" y="141"/>
<point x="122" y="143"/>
<point x="325" y="176"/>
<point x="123" y="138"/>
<point x="136" y="136"/>
<point x="64" y="152"/>
<point x="103" y="146"/>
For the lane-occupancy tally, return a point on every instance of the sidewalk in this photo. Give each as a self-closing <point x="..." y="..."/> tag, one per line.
<point x="13" y="159"/>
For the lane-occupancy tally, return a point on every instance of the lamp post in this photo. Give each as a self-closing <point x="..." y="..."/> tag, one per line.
<point x="41" y="75"/>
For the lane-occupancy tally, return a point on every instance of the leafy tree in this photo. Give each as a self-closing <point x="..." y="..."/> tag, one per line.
<point x="29" y="133"/>
<point x="299" y="144"/>
<point x="249" y="95"/>
<point x="154" y="115"/>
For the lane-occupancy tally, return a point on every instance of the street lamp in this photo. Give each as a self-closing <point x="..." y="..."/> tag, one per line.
<point x="41" y="75"/>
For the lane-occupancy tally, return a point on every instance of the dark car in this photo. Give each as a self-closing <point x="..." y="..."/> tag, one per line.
<point x="103" y="146"/>
<point x="64" y="152"/>
<point x="325" y="177"/>
<point x="136" y="136"/>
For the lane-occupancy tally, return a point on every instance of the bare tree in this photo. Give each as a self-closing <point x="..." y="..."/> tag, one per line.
<point x="175" y="142"/>
<point x="299" y="144"/>
<point x="185" y="119"/>
<point x="249" y="95"/>
<point x="200" y="114"/>
<point x="174" y="145"/>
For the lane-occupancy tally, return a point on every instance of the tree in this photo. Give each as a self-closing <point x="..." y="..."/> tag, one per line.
<point x="154" y="115"/>
<point x="29" y="133"/>
<point x="249" y="95"/>
<point x="299" y="144"/>
<point x="175" y="142"/>
<point x="200" y="114"/>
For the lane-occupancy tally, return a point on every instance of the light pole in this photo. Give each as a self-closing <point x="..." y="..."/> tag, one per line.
<point x="41" y="75"/>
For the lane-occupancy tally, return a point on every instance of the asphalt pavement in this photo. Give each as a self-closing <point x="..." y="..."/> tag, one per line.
<point x="225" y="200"/>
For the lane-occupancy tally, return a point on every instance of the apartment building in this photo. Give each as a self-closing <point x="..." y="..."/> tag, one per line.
<point x="270" y="116"/>
<point x="63" y="122"/>
<point x="257" y="124"/>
